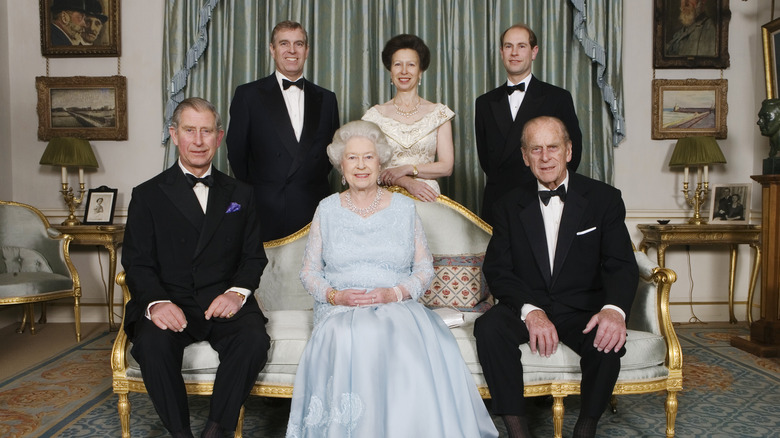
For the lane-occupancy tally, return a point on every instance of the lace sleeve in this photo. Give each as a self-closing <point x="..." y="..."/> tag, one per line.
<point x="422" y="267"/>
<point x="312" y="275"/>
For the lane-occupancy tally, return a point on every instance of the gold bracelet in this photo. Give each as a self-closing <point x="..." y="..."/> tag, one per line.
<point x="332" y="297"/>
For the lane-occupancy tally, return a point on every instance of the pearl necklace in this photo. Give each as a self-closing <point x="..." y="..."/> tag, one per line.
<point x="364" y="212"/>
<point x="401" y="112"/>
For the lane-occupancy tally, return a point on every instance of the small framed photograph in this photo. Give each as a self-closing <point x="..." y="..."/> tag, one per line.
<point x="688" y="107"/>
<point x="101" y="203"/>
<point x="691" y="34"/>
<point x="730" y="203"/>
<point x="770" y="33"/>
<point x="81" y="28"/>
<point x="92" y="108"/>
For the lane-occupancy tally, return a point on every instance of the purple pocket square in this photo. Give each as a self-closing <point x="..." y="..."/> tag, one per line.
<point x="233" y="207"/>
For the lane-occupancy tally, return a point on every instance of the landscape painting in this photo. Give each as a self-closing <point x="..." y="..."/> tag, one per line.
<point x="683" y="108"/>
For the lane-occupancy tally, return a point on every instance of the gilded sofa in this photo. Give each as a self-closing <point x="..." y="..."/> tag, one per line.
<point x="35" y="264"/>
<point x="653" y="361"/>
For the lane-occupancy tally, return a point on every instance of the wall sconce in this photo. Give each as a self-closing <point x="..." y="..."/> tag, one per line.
<point x="74" y="152"/>
<point x="697" y="152"/>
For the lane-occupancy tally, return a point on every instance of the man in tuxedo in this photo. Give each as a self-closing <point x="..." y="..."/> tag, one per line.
<point x="561" y="265"/>
<point x="500" y="115"/>
<point x="280" y="127"/>
<point x="193" y="256"/>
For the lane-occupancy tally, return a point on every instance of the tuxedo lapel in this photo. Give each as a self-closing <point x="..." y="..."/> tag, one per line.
<point x="179" y="192"/>
<point x="219" y="199"/>
<point x="533" y="224"/>
<point x="528" y="110"/>
<point x="573" y="210"/>
<point x="501" y="112"/>
<point x="280" y="118"/>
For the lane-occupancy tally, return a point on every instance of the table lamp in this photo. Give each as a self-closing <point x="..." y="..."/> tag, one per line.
<point x="697" y="152"/>
<point x="74" y="152"/>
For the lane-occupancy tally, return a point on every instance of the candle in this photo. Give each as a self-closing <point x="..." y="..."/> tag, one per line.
<point x="64" y="175"/>
<point x="81" y="175"/>
<point x="698" y="175"/>
<point x="706" y="169"/>
<point x="686" y="174"/>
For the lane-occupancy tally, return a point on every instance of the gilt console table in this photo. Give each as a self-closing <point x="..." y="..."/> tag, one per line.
<point x="664" y="236"/>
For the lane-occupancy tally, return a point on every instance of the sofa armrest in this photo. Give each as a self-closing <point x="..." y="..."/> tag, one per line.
<point x="119" y="350"/>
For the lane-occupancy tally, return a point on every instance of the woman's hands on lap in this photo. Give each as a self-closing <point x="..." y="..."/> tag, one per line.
<point x="352" y="297"/>
<point x="418" y="189"/>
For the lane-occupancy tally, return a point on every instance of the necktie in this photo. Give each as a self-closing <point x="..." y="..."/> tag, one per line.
<point x="512" y="88"/>
<point x="287" y="84"/>
<point x="545" y="195"/>
<point x="207" y="181"/>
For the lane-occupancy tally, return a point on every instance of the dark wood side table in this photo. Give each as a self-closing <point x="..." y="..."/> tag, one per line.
<point x="108" y="236"/>
<point x="664" y="236"/>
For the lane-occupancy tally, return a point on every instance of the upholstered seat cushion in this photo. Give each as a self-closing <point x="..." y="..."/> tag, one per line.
<point x="23" y="284"/>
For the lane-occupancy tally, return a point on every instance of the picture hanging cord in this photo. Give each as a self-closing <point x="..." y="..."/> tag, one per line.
<point x="119" y="67"/>
<point x="47" y="67"/>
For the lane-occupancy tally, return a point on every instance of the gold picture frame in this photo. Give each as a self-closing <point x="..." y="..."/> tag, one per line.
<point x="99" y="22"/>
<point x="689" y="107"/>
<point x="703" y="43"/>
<point x="770" y="34"/>
<point x="88" y="107"/>
<point x="735" y="209"/>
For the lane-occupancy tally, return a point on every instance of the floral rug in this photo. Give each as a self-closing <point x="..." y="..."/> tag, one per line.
<point x="727" y="393"/>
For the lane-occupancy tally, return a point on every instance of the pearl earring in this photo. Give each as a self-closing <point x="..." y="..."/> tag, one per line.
<point x="379" y="180"/>
<point x="343" y="180"/>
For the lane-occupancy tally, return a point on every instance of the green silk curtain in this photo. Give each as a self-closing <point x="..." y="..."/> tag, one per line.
<point x="212" y="47"/>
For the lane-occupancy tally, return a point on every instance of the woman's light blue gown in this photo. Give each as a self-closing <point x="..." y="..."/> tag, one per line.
<point x="388" y="370"/>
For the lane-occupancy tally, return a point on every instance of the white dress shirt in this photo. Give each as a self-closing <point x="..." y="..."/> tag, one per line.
<point x="516" y="98"/>
<point x="293" y="100"/>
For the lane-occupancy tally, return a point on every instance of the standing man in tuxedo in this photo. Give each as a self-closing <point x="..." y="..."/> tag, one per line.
<point x="280" y="127"/>
<point x="193" y="256"/>
<point x="500" y="115"/>
<point x="560" y="264"/>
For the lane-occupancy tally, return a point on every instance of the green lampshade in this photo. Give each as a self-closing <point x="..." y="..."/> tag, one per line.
<point x="696" y="151"/>
<point x="69" y="151"/>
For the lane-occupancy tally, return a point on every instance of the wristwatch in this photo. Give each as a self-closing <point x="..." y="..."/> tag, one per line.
<point x="414" y="170"/>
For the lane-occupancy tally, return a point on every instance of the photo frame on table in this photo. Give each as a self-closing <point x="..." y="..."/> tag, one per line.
<point x="770" y="34"/>
<point x="688" y="107"/>
<point x="101" y="203"/>
<point x="730" y="203"/>
<point x="696" y="37"/>
<point x="80" y="28"/>
<point x="88" y="107"/>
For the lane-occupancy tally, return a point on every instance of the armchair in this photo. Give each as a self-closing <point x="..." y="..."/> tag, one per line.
<point x="35" y="264"/>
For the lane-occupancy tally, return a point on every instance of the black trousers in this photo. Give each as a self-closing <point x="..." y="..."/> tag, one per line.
<point x="242" y="345"/>
<point x="499" y="333"/>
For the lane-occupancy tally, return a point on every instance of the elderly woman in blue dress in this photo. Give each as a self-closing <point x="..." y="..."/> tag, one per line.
<point x="378" y="364"/>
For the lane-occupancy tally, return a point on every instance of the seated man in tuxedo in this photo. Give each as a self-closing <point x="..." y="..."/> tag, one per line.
<point x="561" y="265"/>
<point x="193" y="255"/>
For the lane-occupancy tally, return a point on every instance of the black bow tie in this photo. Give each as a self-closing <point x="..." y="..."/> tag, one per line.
<point x="512" y="88"/>
<point x="287" y="84"/>
<point x="207" y="180"/>
<point x="560" y="192"/>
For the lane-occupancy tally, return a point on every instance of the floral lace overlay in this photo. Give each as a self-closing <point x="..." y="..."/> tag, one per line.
<point x="412" y="143"/>
<point x="344" y="411"/>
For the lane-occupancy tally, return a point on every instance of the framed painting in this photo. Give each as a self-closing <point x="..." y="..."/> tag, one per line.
<point x="688" y="107"/>
<point x="691" y="34"/>
<point x="92" y="108"/>
<point x="101" y="203"/>
<point x="80" y="28"/>
<point x="770" y="34"/>
<point x="730" y="203"/>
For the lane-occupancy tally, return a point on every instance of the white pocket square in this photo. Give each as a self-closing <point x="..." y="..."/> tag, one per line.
<point x="580" y="233"/>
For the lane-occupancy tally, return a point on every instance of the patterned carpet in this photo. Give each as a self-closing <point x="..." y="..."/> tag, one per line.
<point x="727" y="393"/>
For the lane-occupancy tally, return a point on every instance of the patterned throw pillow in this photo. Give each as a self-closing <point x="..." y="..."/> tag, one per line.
<point x="458" y="283"/>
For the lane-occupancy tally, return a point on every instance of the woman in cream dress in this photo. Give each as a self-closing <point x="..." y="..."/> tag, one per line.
<point x="419" y="131"/>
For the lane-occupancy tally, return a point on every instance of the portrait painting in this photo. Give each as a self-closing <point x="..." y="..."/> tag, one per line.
<point x="684" y="108"/>
<point x="770" y="34"/>
<point x="691" y="34"/>
<point x="92" y="108"/>
<point x="101" y="203"/>
<point x="730" y="203"/>
<point x="80" y="28"/>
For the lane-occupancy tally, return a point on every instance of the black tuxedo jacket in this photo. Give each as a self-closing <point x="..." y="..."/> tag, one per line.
<point x="172" y="251"/>
<point x="290" y="177"/>
<point x="594" y="262"/>
<point x="498" y="136"/>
